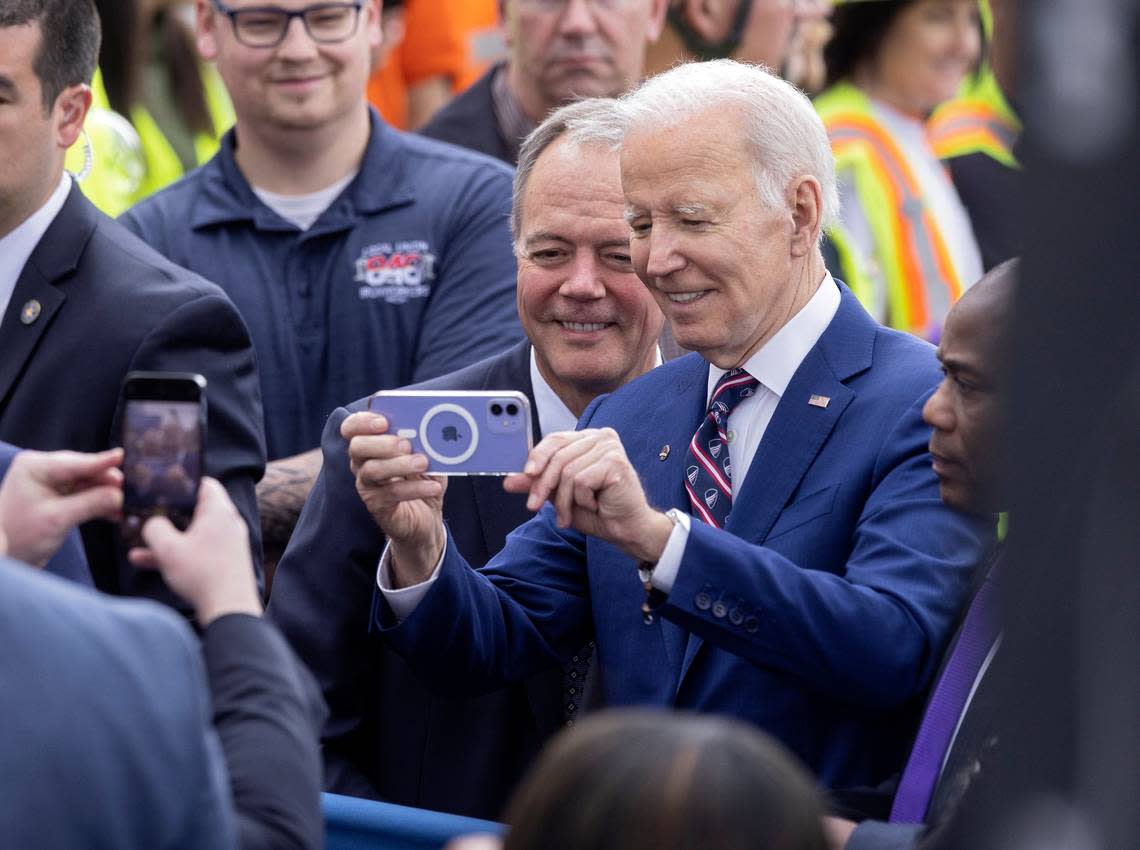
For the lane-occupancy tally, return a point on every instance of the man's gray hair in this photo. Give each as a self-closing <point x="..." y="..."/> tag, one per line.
<point x="786" y="133"/>
<point x="593" y="121"/>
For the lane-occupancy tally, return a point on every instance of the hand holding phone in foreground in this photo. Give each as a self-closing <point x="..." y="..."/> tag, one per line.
<point x="208" y="564"/>
<point x="406" y="503"/>
<point x="46" y="494"/>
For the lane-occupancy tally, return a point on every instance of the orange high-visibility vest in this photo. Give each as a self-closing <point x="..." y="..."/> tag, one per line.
<point x="911" y="254"/>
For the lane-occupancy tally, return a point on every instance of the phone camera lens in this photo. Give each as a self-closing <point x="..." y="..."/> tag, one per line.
<point x="512" y="409"/>
<point x="496" y="409"/>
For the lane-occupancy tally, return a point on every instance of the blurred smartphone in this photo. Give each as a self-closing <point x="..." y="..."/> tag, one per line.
<point x="477" y="432"/>
<point x="164" y="432"/>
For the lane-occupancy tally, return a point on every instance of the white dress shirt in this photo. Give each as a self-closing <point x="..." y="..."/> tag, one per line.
<point x="773" y="366"/>
<point x="17" y="246"/>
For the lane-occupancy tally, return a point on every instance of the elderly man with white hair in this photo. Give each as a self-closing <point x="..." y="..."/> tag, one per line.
<point x="753" y="529"/>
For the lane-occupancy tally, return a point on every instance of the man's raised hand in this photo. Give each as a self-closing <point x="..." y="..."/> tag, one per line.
<point x="594" y="488"/>
<point x="405" y="502"/>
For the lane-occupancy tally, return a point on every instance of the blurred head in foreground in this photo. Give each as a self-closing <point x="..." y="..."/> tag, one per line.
<point x="639" y="780"/>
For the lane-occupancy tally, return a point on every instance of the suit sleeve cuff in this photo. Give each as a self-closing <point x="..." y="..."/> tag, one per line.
<point x="669" y="564"/>
<point x="404" y="600"/>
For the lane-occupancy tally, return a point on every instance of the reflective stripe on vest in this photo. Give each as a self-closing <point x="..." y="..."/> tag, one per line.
<point x="967" y="126"/>
<point x="921" y="262"/>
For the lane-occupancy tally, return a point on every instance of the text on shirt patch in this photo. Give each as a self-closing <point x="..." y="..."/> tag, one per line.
<point x="396" y="271"/>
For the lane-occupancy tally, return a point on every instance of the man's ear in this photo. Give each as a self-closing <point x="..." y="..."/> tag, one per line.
<point x="373" y="9"/>
<point x="806" y="203"/>
<point x="207" y="35"/>
<point x="70" y="111"/>
<point x="708" y="19"/>
<point x="657" y="9"/>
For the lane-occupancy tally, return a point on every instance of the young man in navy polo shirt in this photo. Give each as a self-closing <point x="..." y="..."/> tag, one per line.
<point x="361" y="258"/>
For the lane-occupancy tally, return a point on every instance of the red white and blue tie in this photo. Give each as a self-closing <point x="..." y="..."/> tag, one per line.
<point x="708" y="467"/>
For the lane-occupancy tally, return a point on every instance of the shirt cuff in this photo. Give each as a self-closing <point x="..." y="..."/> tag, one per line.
<point x="404" y="600"/>
<point x="665" y="573"/>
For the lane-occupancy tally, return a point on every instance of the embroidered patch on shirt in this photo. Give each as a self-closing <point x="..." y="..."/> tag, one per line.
<point x="396" y="272"/>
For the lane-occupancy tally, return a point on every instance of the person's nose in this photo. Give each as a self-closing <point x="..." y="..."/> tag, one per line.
<point x="297" y="43"/>
<point x="938" y="413"/>
<point x="584" y="282"/>
<point x="577" y="18"/>
<point x="662" y="255"/>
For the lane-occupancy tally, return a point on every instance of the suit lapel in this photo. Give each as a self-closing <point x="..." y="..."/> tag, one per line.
<point x="55" y="257"/>
<point x="799" y="428"/>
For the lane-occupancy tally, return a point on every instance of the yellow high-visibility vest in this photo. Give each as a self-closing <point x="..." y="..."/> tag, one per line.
<point x="910" y="253"/>
<point x="978" y="120"/>
<point x="132" y="159"/>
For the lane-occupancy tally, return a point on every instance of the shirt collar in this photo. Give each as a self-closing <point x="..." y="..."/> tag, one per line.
<point x="513" y="122"/>
<point x="779" y="358"/>
<point x="553" y="414"/>
<point x="382" y="182"/>
<point x="17" y="246"/>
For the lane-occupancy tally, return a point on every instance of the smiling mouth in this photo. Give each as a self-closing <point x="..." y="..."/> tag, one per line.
<point x="585" y="327"/>
<point x="685" y="297"/>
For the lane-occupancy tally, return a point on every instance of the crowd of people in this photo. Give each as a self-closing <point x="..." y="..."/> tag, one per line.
<point x="740" y="595"/>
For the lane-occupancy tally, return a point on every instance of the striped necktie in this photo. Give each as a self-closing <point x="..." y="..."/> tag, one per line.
<point x="708" y="467"/>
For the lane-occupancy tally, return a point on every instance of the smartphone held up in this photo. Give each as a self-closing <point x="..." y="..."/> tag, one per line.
<point x="164" y="432"/>
<point x="462" y="432"/>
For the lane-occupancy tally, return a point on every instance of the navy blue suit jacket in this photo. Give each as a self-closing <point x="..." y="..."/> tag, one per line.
<point x="69" y="562"/>
<point x="108" y="304"/>
<point x="387" y="736"/>
<point x="819" y="613"/>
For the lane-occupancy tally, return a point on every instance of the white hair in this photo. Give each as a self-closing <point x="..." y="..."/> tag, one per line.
<point x="590" y="122"/>
<point x="783" y="128"/>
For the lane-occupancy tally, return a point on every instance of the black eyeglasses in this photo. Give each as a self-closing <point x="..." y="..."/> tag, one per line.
<point x="265" y="26"/>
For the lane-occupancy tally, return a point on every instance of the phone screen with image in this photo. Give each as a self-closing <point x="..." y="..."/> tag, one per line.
<point x="162" y="457"/>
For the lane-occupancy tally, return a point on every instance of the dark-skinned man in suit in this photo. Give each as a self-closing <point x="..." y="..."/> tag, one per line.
<point x="966" y="415"/>
<point x="592" y="326"/>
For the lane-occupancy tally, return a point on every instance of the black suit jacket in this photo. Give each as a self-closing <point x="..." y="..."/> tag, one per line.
<point x="104" y="304"/>
<point x="115" y="734"/>
<point x="468" y="120"/>
<point x="388" y="737"/>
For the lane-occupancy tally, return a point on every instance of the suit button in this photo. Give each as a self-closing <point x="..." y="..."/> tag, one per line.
<point x="719" y="610"/>
<point x="703" y="601"/>
<point x="735" y="617"/>
<point x="751" y="624"/>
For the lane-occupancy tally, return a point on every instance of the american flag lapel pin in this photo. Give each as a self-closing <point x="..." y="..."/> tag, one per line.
<point x="819" y="400"/>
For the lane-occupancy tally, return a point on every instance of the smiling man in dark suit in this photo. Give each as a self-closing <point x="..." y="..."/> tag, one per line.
<point x="83" y="302"/>
<point x="592" y="327"/>
<point x="753" y="530"/>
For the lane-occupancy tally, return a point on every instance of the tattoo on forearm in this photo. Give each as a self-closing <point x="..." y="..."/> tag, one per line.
<point x="280" y="496"/>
